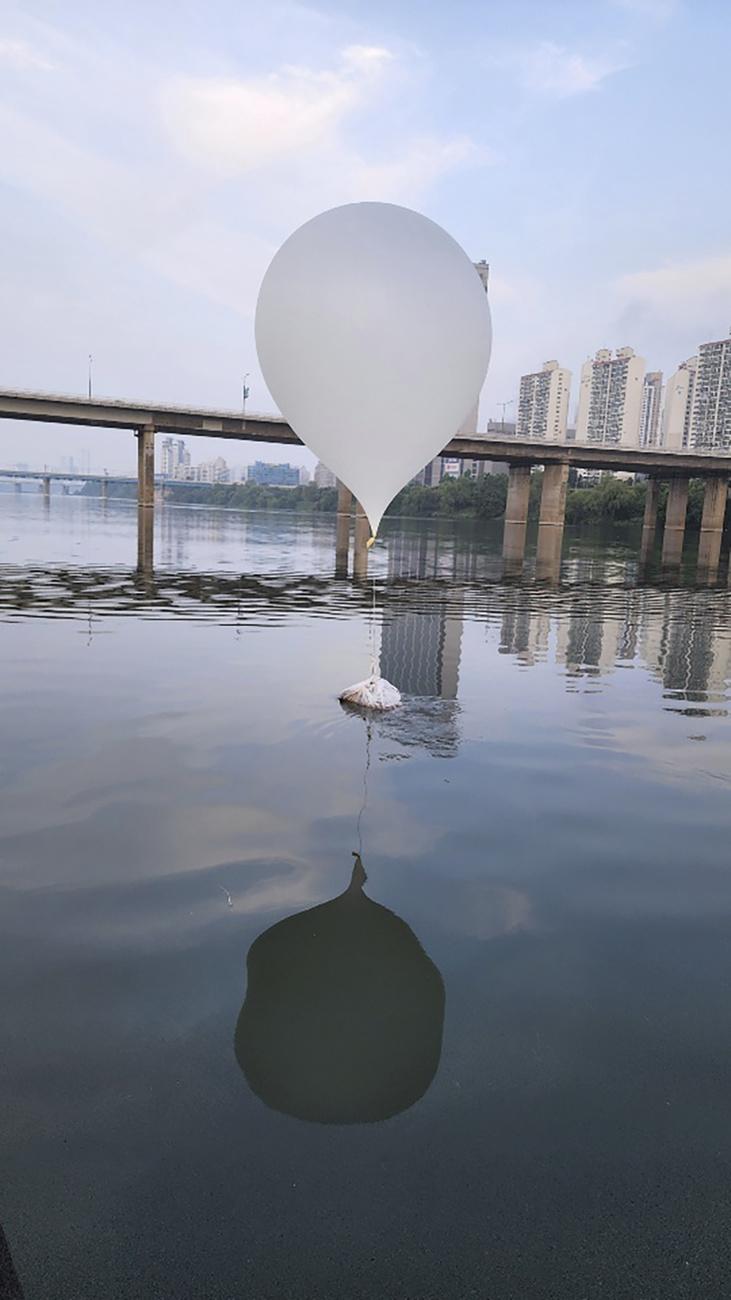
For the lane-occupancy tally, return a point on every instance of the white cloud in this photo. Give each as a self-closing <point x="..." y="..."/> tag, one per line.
<point x="697" y="290"/>
<point x="235" y="126"/>
<point x="22" y="55"/>
<point x="550" y="69"/>
<point x="413" y="170"/>
<point x="668" y="311"/>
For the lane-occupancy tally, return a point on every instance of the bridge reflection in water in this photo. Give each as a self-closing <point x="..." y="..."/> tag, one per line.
<point x="598" y="620"/>
<point x="521" y="455"/>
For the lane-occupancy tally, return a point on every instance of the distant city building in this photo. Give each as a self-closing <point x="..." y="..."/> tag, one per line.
<point x="174" y="454"/>
<point x="610" y="398"/>
<point x="711" y="416"/>
<point x="543" y="403"/>
<point x="678" y="413"/>
<point x="209" y="471"/>
<point x="324" y="477"/>
<point x="305" y="476"/>
<point x="430" y="475"/>
<point x="469" y="425"/>
<point x="501" y="428"/>
<point x="212" y="471"/>
<point x="451" y="466"/>
<point x="273" y="475"/>
<point x="650" y="426"/>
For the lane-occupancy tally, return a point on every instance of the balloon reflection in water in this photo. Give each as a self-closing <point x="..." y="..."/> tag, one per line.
<point x="10" y="1288"/>
<point x="343" y="1017"/>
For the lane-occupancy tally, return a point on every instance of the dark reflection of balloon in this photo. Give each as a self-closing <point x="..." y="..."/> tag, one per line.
<point x="343" y="1016"/>
<point x="10" y="1288"/>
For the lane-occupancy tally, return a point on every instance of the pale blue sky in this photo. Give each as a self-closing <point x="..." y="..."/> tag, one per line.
<point x="154" y="156"/>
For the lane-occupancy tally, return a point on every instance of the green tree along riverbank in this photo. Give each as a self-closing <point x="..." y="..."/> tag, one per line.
<point x="464" y="498"/>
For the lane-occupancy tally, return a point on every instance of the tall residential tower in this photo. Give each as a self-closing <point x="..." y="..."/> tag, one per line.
<point x="543" y="404"/>
<point x="678" y="413"/>
<point x="610" y="398"/>
<point x="711" y="419"/>
<point x="650" y="427"/>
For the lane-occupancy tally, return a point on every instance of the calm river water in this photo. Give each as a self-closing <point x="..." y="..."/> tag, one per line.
<point x="499" y="1069"/>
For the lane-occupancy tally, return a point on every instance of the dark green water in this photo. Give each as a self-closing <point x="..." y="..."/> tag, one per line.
<point x="501" y="1067"/>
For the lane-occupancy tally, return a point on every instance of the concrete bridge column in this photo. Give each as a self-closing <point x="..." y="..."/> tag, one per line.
<point x="46" y="489"/>
<point x="145" y="496"/>
<point x="146" y="466"/>
<point x="342" y="531"/>
<point x="674" y="535"/>
<point x="18" y="486"/>
<point x="104" y="490"/>
<point x="145" y="539"/>
<point x="360" y="549"/>
<point x="551" y="521"/>
<point x="516" y="517"/>
<point x="714" y="513"/>
<point x="649" y="522"/>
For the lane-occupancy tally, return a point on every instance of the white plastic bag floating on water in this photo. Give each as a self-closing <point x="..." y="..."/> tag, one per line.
<point x="374" y="693"/>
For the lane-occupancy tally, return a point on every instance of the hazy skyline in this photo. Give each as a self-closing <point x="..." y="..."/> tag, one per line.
<point x="154" y="158"/>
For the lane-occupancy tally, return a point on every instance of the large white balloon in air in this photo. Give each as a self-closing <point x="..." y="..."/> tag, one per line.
<point x="373" y="335"/>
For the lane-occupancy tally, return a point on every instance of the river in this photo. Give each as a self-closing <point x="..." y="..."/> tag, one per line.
<point x="500" y="1066"/>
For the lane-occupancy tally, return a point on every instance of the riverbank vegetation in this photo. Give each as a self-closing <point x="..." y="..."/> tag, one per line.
<point x="611" y="499"/>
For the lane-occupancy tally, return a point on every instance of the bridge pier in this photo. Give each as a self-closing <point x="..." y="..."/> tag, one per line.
<point x="145" y="539"/>
<point x="46" y="489"/>
<point x="104" y="490"/>
<point x="18" y="486"/>
<point x="360" y="549"/>
<point x="516" y="518"/>
<point x="675" y="511"/>
<point x="551" y="521"/>
<point x="649" y="522"/>
<point x="145" y="496"/>
<point x="146" y="466"/>
<point x="342" y="530"/>
<point x="714" y="512"/>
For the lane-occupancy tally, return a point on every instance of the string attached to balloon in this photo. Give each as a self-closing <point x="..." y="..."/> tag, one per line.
<point x="374" y="693"/>
<point x="358" y="311"/>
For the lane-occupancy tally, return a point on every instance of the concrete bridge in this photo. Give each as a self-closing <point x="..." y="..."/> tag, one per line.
<point x="676" y="467"/>
<point x="46" y="476"/>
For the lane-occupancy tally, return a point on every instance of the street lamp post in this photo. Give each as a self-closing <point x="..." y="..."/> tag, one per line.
<point x="244" y="393"/>
<point x="90" y="365"/>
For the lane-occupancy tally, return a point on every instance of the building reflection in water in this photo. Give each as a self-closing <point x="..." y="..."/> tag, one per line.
<point x="594" y="624"/>
<point x="343" y="1017"/>
<point x="683" y="637"/>
<point x="421" y="646"/>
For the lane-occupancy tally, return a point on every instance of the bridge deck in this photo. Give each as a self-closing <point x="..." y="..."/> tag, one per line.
<point x="199" y="422"/>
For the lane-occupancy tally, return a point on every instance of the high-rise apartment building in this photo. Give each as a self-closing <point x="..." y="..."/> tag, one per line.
<point x="650" y="427"/>
<point x="711" y="417"/>
<point x="610" y="398"/>
<point x="678" y="413"/>
<point x="173" y="455"/>
<point x="468" y="426"/>
<point x="324" y="477"/>
<point x="543" y="403"/>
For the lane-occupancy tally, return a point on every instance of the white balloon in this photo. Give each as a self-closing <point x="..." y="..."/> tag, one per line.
<point x="373" y="335"/>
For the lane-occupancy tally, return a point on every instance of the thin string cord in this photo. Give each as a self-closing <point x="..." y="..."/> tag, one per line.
<point x="364" y="804"/>
<point x="374" y="662"/>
